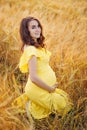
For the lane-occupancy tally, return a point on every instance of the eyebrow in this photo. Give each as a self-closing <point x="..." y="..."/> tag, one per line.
<point x="35" y="25"/>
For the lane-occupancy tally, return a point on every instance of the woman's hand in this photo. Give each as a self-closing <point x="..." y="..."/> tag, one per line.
<point x="52" y="89"/>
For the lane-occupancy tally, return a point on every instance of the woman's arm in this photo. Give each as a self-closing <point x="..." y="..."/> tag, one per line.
<point x="35" y="79"/>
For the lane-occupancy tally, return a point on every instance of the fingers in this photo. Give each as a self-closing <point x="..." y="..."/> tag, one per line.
<point x="56" y="85"/>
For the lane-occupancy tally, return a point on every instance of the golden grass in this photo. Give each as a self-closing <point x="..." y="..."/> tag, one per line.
<point x="65" y="29"/>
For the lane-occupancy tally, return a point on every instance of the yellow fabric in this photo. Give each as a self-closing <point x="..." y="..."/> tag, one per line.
<point x="21" y="101"/>
<point x="41" y="102"/>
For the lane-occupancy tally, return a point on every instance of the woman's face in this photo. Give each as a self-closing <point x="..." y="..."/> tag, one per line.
<point x="34" y="29"/>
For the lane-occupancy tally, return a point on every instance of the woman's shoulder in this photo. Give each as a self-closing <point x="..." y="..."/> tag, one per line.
<point x="33" y="49"/>
<point x="29" y="47"/>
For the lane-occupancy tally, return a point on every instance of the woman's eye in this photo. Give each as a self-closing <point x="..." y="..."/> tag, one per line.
<point x="33" y="27"/>
<point x="38" y="26"/>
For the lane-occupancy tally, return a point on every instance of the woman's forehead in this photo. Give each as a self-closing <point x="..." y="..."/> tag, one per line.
<point x="33" y="22"/>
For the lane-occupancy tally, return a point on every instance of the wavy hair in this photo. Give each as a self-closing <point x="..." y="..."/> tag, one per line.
<point x="25" y="34"/>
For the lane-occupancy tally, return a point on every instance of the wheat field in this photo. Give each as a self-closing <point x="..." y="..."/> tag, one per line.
<point x="65" y="29"/>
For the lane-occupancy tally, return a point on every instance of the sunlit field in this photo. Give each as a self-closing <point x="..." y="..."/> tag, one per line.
<point x="65" y="29"/>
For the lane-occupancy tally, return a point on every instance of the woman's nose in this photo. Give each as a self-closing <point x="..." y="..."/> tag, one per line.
<point x="37" y="29"/>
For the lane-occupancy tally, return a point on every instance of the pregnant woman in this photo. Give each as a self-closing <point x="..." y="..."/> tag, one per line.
<point x="41" y="90"/>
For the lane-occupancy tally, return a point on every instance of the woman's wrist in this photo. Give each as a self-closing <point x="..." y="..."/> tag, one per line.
<point x="51" y="89"/>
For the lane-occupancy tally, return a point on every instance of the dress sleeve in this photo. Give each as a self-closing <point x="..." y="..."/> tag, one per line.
<point x="26" y="56"/>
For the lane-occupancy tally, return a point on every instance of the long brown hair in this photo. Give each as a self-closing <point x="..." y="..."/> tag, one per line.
<point x="25" y="34"/>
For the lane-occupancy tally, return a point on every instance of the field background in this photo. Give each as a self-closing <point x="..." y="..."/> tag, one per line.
<point x="65" y="29"/>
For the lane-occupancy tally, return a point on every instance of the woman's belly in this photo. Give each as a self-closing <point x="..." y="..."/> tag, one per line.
<point x="47" y="75"/>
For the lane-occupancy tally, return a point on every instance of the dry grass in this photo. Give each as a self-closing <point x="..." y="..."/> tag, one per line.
<point x="65" y="29"/>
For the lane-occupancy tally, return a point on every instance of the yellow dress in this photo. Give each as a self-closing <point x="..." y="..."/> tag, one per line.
<point x="41" y="102"/>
